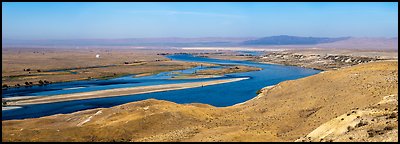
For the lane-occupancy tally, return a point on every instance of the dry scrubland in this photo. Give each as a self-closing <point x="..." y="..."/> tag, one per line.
<point x="85" y="63"/>
<point x="323" y="59"/>
<point x="286" y="112"/>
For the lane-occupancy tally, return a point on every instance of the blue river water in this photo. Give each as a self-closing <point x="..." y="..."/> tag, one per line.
<point x="220" y="95"/>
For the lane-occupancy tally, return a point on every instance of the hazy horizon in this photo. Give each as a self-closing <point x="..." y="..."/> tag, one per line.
<point x="176" y="37"/>
<point x="69" y="21"/>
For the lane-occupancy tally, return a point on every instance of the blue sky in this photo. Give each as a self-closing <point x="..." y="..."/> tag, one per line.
<point x="137" y="20"/>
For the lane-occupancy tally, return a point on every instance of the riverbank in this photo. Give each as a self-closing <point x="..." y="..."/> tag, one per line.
<point x="114" y="92"/>
<point x="193" y="76"/>
<point x="212" y="73"/>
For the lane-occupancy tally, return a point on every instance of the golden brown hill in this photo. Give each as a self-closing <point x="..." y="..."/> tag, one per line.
<point x="377" y="123"/>
<point x="285" y="112"/>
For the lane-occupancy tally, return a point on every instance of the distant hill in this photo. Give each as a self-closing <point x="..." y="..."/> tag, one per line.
<point x="285" y="41"/>
<point x="168" y="41"/>
<point x="292" y="40"/>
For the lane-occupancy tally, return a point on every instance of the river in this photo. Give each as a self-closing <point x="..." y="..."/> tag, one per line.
<point x="220" y="95"/>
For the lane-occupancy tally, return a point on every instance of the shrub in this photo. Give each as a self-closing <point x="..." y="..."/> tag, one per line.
<point x="388" y="128"/>
<point x="361" y="123"/>
<point x="258" y="92"/>
<point x="393" y="115"/>
<point x="349" y="128"/>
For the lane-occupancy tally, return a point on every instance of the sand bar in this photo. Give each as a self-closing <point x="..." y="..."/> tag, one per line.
<point x="119" y="92"/>
<point x="9" y="108"/>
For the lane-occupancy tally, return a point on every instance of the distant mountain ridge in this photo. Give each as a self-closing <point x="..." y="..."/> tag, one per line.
<point x="292" y="40"/>
<point x="286" y="41"/>
<point x="167" y="41"/>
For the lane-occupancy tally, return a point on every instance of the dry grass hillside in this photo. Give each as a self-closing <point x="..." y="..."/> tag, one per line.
<point x="375" y="123"/>
<point x="285" y="112"/>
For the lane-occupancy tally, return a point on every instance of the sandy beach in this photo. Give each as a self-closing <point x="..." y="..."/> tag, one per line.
<point x="118" y="92"/>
